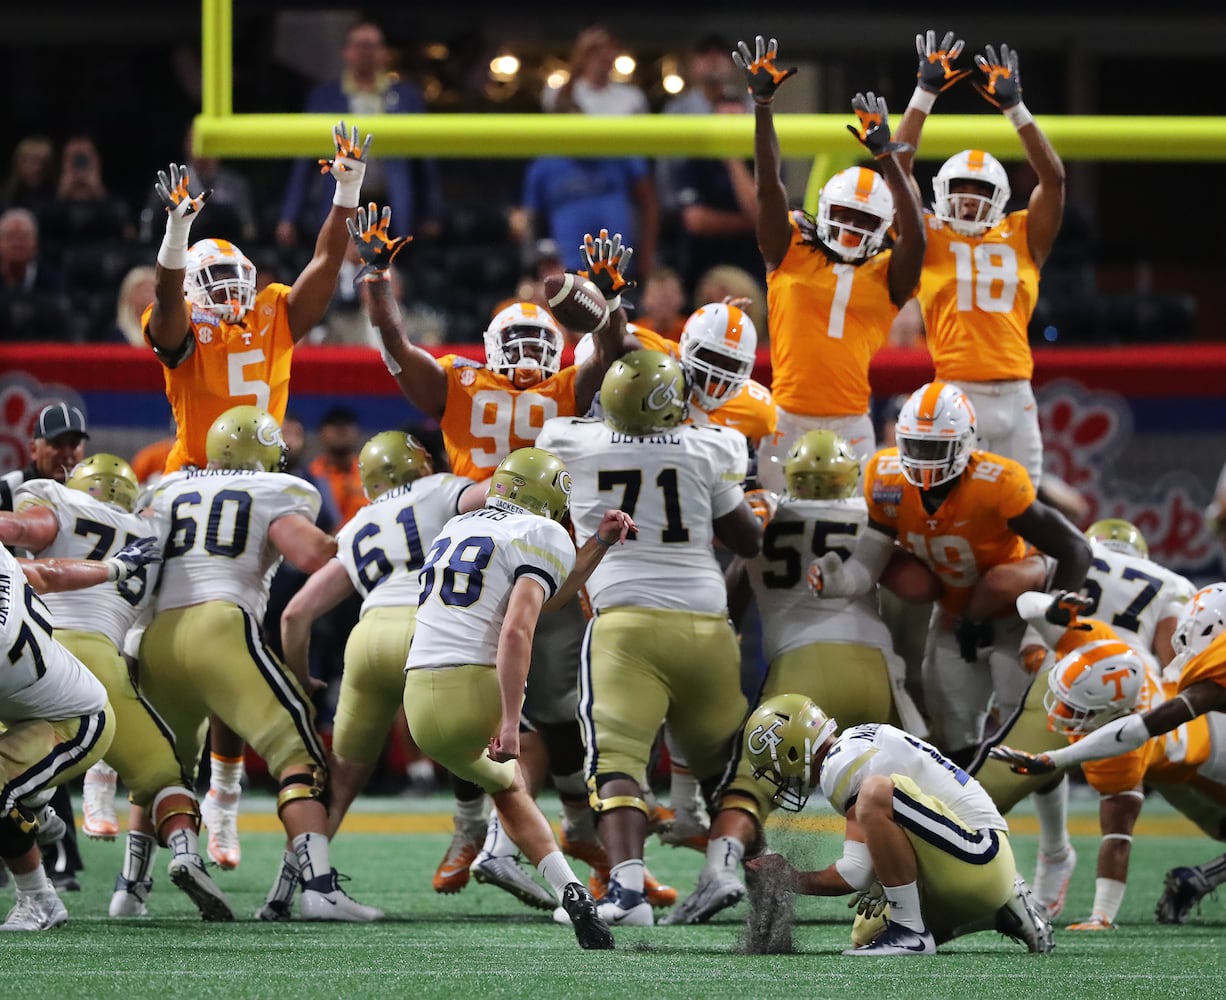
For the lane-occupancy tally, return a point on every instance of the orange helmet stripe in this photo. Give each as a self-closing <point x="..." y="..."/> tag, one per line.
<point x="864" y="183"/>
<point x="928" y="401"/>
<point x="974" y="159"/>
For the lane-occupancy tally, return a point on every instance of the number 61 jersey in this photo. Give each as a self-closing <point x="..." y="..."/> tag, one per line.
<point x="217" y="522"/>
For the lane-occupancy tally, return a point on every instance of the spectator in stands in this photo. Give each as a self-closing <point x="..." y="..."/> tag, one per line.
<point x="366" y="87"/>
<point x="135" y="294"/>
<point x="31" y="180"/>
<point x="747" y="293"/>
<point x="589" y="87"/>
<point x="662" y="304"/>
<point x="335" y="469"/>
<point x="33" y="303"/>
<point x="83" y="209"/>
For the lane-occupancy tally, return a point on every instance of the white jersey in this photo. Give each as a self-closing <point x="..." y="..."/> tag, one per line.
<point x="383" y="547"/>
<point x="91" y="529"/>
<point x="467" y="580"/>
<point x="674" y="484"/>
<point x="39" y="678"/>
<point x="791" y="616"/>
<point x="862" y="751"/>
<point x="217" y="522"/>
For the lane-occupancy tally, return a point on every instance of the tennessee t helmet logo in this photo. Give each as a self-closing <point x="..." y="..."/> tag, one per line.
<point x="765" y="740"/>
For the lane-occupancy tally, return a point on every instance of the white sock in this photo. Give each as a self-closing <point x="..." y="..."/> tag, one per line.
<point x="629" y="874"/>
<point x="138" y="857"/>
<point x="311" y="850"/>
<point x="724" y="853"/>
<point x="497" y="843"/>
<point x="35" y="881"/>
<point x="185" y="841"/>
<point x="226" y="775"/>
<point x="556" y="870"/>
<point x="905" y="906"/>
<point x="1052" y="810"/>
<point x="472" y="811"/>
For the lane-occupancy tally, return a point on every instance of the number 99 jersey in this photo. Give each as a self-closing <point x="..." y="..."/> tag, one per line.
<point x="91" y="529"/>
<point x="217" y="522"/>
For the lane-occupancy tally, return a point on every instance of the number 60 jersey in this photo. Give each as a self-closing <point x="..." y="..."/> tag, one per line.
<point x="217" y="522"/>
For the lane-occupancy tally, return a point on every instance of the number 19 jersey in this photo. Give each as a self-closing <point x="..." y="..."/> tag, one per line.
<point x="217" y="522"/>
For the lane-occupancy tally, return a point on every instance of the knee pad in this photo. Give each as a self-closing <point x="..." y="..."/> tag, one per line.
<point x="162" y="811"/>
<point x="600" y="805"/>
<point x="304" y="785"/>
<point x="17" y="832"/>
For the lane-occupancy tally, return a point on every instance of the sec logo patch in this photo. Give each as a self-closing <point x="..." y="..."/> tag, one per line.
<point x="467" y="376"/>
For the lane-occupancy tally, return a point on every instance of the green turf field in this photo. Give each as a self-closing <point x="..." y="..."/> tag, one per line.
<point x="482" y="943"/>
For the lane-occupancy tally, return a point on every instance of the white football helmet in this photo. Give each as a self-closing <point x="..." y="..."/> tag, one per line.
<point x="1203" y="618"/>
<point x="967" y="212"/>
<point x="524" y="343"/>
<point x="220" y="280"/>
<point x="1093" y="684"/>
<point x="719" y="346"/>
<point x="936" y="434"/>
<point x="863" y="191"/>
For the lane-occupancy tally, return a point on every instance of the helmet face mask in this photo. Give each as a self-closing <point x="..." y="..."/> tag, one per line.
<point x="532" y="481"/>
<point x="524" y="343"/>
<point x="936" y="435"/>
<point x="719" y="345"/>
<point x="245" y="439"/>
<point x="820" y="465"/>
<point x="220" y="280"/>
<point x="644" y="392"/>
<point x="782" y="736"/>
<point x="1092" y="685"/>
<point x="1118" y="535"/>
<point x="391" y="459"/>
<point x="970" y="192"/>
<point x="854" y="212"/>
<point x="1203" y="618"/>
<point x="107" y="478"/>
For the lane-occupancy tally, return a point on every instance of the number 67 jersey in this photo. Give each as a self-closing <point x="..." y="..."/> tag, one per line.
<point x="217" y="522"/>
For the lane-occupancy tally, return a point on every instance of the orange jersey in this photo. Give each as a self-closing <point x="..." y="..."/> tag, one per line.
<point x="751" y="411"/>
<point x="1207" y="665"/>
<point x="486" y="417"/>
<point x="977" y="294"/>
<point x="968" y="534"/>
<point x="827" y="320"/>
<point x="232" y="364"/>
<point x="345" y="484"/>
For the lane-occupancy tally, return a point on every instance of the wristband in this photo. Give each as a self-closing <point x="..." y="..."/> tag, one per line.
<point x="607" y="545"/>
<point x="114" y="567"/>
<point x="348" y="188"/>
<point x="1019" y="115"/>
<point x="393" y="368"/>
<point x="614" y="303"/>
<point x="172" y="254"/>
<point x="922" y="100"/>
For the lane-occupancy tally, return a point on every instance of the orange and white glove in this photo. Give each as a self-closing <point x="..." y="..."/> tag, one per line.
<point x="607" y="260"/>
<point x="181" y="211"/>
<point x="347" y="166"/>
<point x="377" y="250"/>
<point x="763" y="504"/>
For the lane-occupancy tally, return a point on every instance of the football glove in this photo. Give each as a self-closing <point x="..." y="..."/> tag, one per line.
<point x="1065" y="607"/>
<point x="760" y="71"/>
<point x="826" y="577"/>
<point x="347" y="166"/>
<point x="874" y="130"/>
<point x="936" y="73"/>
<point x="607" y="261"/>
<point x="1021" y="762"/>
<point x="972" y="637"/>
<point x="133" y="557"/>
<point x="172" y="189"/>
<point x="869" y="903"/>
<point x="375" y="247"/>
<point x="1002" y="86"/>
<point x="762" y="504"/>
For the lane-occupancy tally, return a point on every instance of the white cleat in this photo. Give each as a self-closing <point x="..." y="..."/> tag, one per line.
<point x="715" y="891"/>
<point x="1051" y="878"/>
<point x="323" y="899"/>
<point x="1024" y="919"/>
<point x="36" y="911"/>
<point x="219" y="812"/>
<point x="188" y="873"/>
<point x="98" y="819"/>
<point x="896" y="940"/>
<point x="508" y="875"/>
<point x="625" y="908"/>
<point x="129" y="897"/>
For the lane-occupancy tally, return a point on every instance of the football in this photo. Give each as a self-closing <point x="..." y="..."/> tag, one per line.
<point x="575" y="302"/>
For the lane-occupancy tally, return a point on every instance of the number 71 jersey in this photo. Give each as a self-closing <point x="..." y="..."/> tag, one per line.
<point x="217" y="546"/>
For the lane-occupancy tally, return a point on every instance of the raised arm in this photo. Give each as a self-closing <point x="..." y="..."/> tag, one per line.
<point x="935" y="75"/>
<point x="608" y="261"/>
<point x="169" y="328"/>
<point x="309" y="297"/>
<point x="764" y="79"/>
<point x="614" y="527"/>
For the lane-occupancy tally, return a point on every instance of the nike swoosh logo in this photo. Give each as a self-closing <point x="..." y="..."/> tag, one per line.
<point x="961" y="524"/>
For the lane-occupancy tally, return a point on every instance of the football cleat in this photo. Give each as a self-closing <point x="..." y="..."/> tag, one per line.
<point x="1182" y="889"/>
<point x="98" y="819"/>
<point x="507" y="874"/>
<point x="1095" y="922"/>
<point x="896" y="940"/>
<point x="36" y="911"/>
<point x="219" y="812"/>
<point x="188" y="873"/>
<point x="129" y="897"/>
<point x="715" y="891"/>
<point x="453" y="871"/>
<point x="625" y="906"/>
<point x="590" y="929"/>
<point x="658" y="894"/>
<point x="275" y="910"/>
<point x="324" y="899"/>
<point x="1025" y="919"/>
<point x="685" y="828"/>
<point x="1051" y="878"/>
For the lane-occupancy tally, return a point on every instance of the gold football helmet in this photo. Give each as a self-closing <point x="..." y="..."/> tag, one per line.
<point x="391" y="459"/>
<point x="781" y="737"/>
<point x="821" y="466"/>
<point x="1118" y="535"/>
<point x="644" y="392"/>
<point x="245" y="438"/>
<point x="107" y="478"/>
<point x="533" y="480"/>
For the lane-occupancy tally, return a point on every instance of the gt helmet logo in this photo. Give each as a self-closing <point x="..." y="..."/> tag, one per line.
<point x="662" y="396"/>
<point x="765" y="739"/>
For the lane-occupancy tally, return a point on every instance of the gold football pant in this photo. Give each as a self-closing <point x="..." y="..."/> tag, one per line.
<point x="372" y="686"/>
<point x="40" y="753"/>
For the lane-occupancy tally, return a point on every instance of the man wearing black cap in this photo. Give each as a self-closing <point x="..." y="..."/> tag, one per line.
<point x="57" y="445"/>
